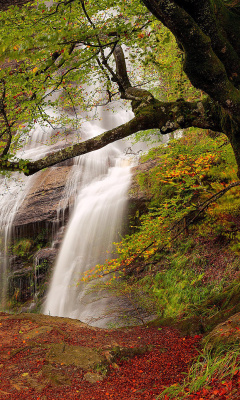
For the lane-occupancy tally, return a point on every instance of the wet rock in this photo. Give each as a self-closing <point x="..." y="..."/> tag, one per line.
<point x="27" y="278"/>
<point x="46" y="255"/>
<point x="36" y="221"/>
<point x="39" y="209"/>
<point x="20" y="284"/>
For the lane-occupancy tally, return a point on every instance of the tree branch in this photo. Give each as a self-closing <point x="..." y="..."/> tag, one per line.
<point x="151" y="114"/>
<point x="209" y="20"/>
<point x="202" y="66"/>
<point x="5" y="119"/>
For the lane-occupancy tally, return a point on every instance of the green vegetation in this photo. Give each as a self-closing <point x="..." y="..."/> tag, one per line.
<point x="78" y="51"/>
<point x="219" y="364"/>
<point x="185" y="205"/>
<point x="181" y="264"/>
<point x="185" y="74"/>
<point x="22" y="247"/>
<point x="26" y="247"/>
<point x="29" y="281"/>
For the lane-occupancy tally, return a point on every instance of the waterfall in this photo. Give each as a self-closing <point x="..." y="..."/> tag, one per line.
<point x="13" y="191"/>
<point x="99" y="182"/>
<point x="96" y="191"/>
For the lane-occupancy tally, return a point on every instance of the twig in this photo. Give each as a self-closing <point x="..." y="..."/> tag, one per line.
<point x="5" y="118"/>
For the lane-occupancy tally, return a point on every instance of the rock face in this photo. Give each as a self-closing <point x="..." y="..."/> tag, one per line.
<point x="136" y="193"/>
<point x="37" y="223"/>
<point x="4" y="4"/>
<point x="138" y="199"/>
<point x="38" y="230"/>
<point x="40" y="208"/>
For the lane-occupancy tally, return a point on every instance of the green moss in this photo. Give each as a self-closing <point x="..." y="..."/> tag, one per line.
<point x="22" y="247"/>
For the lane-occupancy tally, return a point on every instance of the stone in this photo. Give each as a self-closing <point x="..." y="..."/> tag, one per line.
<point x="39" y="209"/>
<point x="55" y="377"/>
<point x="93" y="377"/>
<point x="47" y="254"/>
<point x="82" y="357"/>
<point x="227" y="332"/>
<point x="41" y="330"/>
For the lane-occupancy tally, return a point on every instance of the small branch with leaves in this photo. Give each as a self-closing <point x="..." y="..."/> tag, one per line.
<point x="7" y="131"/>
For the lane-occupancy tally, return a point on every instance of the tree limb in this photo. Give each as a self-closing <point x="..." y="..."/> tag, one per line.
<point x="202" y="66"/>
<point x="207" y="17"/>
<point x="149" y="114"/>
<point x="5" y="119"/>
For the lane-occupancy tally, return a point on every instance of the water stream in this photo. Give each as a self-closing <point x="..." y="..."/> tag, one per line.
<point x="99" y="183"/>
<point x="96" y="191"/>
<point x="13" y="191"/>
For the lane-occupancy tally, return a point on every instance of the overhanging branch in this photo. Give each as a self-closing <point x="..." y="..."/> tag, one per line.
<point x="167" y="117"/>
<point x="202" y="65"/>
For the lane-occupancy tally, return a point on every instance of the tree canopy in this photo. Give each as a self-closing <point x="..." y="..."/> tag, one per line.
<point x="66" y="45"/>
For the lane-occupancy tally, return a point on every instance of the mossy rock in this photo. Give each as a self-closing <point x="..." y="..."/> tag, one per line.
<point x="186" y="326"/>
<point x="42" y="330"/>
<point x="225" y="333"/>
<point x="93" y="377"/>
<point x="82" y="357"/>
<point x="54" y="376"/>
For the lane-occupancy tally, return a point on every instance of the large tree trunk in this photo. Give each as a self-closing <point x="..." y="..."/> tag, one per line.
<point x="208" y="32"/>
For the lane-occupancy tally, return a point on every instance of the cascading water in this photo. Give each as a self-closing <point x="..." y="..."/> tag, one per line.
<point x="12" y="194"/>
<point x="101" y="181"/>
<point x="97" y="187"/>
<point x="13" y="191"/>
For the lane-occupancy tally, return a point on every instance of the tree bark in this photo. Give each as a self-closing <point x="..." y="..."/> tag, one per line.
<point x="211" y="46"/>
<point x="149" y="114"/>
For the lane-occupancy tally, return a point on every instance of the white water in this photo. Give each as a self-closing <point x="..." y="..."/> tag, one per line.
<point x="99" y="182"/>
<point x="13" y="191"/>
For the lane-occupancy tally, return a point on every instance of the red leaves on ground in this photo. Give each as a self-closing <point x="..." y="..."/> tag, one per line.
<point x="23" y="363"/>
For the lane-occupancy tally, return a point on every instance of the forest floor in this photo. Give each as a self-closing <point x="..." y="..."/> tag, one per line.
<point x="50" y="358"/>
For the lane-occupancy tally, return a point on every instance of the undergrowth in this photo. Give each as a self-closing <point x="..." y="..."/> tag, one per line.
<point x="163" y="265"/>
<point x="189" y="230"/>
<point x="177" y="290"/>
<point x="221" y="363"/>
<point x="188" y="173"/>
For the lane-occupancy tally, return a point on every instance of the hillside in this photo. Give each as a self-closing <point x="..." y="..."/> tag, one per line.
<point x="45" y="357"/>
<point x="187" y="274"/>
